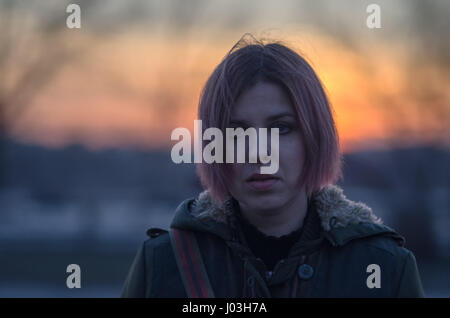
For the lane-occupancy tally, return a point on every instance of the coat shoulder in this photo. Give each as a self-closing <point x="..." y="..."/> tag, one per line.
<point x="365" y="231"/>
<point x="158" y="239"/>
<point x="159" y="269"/>
<point x="382" y="245"/>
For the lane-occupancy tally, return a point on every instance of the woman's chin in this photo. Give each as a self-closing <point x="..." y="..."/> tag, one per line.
<point x="269" y="202"/>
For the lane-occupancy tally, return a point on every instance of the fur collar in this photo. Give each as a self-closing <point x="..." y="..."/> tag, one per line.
<point x="333" y="207"/>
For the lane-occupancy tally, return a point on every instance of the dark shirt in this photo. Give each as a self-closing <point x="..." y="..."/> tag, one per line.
<point x="270" y="249"/>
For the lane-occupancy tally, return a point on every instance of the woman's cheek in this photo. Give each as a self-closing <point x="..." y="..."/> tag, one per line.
<point x="291" y="157"/>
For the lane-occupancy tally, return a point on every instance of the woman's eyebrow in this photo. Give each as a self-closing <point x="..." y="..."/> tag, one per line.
<point x="281" y="115"/>
<point x="244" y="123"/>
<point x="239" y="122"/>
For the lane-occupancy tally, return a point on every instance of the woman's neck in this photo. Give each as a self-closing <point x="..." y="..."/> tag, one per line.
<point x="280" y="221"/>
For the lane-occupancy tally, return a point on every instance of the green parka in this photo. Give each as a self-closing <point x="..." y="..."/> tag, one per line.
<point x="344" y="251"/>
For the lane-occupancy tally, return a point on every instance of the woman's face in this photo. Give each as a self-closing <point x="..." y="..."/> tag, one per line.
<point x="266" y="105"/>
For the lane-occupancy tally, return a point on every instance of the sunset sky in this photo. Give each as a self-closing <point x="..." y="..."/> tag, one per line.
<point x="140" y="73"/>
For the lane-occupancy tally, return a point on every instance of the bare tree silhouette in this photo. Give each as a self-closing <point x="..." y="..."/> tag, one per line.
<point x="33" y="50"/>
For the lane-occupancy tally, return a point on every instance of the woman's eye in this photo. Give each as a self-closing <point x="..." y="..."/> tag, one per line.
<point x="283" y="128"/>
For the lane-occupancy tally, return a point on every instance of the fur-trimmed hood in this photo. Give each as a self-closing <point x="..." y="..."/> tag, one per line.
<point x="341" y="219"/>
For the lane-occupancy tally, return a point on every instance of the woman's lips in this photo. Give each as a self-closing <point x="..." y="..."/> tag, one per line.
<point x="262" y="185"/>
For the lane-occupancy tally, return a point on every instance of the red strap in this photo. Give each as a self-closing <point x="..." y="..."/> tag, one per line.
<point x="190" y="264"/>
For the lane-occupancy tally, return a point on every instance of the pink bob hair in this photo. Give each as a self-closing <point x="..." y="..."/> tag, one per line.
<point x="248" y="63"/>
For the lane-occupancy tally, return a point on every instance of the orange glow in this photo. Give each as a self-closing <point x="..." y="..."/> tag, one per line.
<point x="134" y="89"/>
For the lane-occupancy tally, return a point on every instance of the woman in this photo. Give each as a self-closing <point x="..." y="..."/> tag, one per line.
<point x="289" y="234"/>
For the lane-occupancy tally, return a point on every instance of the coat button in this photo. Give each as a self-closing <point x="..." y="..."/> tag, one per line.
<point x="305" y="271"/>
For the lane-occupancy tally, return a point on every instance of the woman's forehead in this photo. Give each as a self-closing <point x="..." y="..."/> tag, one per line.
<point x="263" y="100"/>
